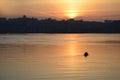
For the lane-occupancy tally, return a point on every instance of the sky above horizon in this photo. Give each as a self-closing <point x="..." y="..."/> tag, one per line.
<point x="62" y="9"/>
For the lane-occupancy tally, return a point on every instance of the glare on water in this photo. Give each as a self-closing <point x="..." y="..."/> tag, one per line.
<point x="59" y="57"/>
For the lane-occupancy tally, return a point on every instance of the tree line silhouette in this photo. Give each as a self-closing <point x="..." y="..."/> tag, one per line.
<point x="34" y="25"/>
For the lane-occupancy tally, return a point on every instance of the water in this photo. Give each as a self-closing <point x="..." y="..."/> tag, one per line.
<point x="59" y="57"/>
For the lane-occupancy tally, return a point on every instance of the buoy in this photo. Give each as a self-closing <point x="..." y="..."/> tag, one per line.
<point x="86" y="54"/>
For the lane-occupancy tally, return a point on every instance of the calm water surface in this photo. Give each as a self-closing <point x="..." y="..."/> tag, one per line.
<point x="59" y="57"/>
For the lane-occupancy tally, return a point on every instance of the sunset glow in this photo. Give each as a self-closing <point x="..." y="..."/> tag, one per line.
<point x="88" y="9"/>
<point x="71" y="14"/>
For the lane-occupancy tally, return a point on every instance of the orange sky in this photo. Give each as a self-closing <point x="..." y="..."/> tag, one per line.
<point x="62" y="9"/>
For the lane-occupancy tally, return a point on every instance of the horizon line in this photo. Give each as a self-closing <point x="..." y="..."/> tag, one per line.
<point x="60" y="19"/>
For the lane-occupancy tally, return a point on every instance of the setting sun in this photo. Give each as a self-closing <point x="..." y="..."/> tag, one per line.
<point x="72" y="14"/>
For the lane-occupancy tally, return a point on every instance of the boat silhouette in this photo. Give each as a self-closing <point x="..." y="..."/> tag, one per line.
<point x="86" y="54"/>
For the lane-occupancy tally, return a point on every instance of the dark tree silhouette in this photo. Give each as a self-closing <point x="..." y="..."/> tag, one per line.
<point x="33" y="25"/>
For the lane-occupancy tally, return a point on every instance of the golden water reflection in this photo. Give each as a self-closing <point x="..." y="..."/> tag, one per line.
<point x="62" y="60"/>
<point x="73" y="46"/>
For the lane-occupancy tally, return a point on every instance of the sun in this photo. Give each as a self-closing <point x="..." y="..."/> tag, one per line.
<point x="72" y="14"/>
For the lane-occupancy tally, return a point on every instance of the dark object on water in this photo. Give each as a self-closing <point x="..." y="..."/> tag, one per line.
<point x="86" y="54"/>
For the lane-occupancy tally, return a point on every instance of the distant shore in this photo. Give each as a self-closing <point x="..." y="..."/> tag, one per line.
<point x="33" y="25"/>
<point x="60" y="33"/>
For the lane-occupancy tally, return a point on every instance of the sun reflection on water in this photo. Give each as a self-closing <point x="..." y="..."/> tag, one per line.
<point x="72" y="45"/>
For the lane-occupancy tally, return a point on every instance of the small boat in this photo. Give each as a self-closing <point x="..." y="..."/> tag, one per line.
<point x="86" y="54"/>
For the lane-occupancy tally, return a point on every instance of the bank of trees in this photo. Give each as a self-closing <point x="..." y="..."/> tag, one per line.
<point x="33" y="25"/>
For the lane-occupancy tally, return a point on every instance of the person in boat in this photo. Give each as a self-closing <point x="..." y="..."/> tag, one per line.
<point x="86" y="54"/>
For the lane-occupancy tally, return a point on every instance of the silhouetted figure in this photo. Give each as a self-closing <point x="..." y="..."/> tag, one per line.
<point x="86" y="54"/>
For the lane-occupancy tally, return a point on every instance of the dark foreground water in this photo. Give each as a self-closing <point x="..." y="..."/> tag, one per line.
<point x="59" y="57"/>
